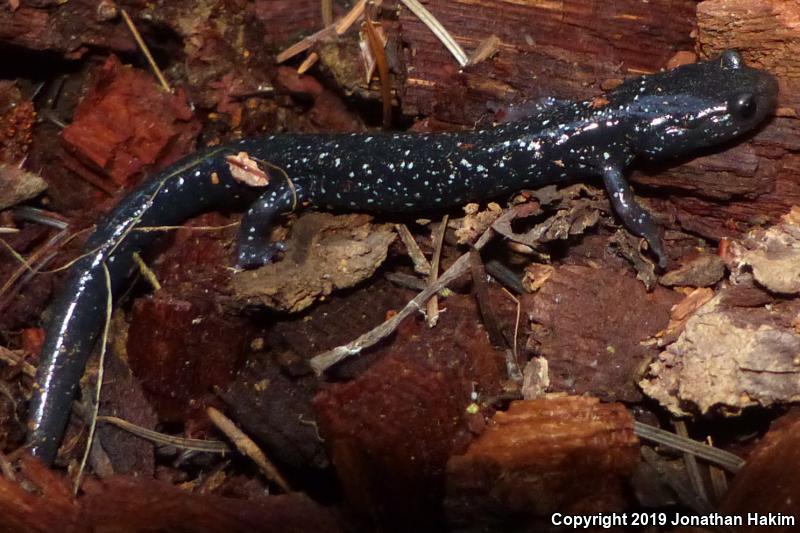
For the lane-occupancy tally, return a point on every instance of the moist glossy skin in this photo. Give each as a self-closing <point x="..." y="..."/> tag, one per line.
<point x="660" y="116"/>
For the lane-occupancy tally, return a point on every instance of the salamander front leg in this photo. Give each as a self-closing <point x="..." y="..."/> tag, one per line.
<point x="635" y="218"/>
<point x="254" y="247"/>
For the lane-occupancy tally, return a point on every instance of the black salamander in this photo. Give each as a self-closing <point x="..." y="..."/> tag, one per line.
<point x="656" y="117"/>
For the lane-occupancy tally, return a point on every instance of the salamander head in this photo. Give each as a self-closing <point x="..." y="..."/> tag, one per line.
<point x="695" y="106"/>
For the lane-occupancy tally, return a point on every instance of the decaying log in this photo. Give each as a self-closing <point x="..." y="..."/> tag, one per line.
<point x="564" y="49"/>
<point x="591" y="338"/>
<point x="126" y="124"/>
<point x="567" y="454"/>
<point x="391" y="429"/>
<point x="57" y="28"/>
<point x="44" y="503"/>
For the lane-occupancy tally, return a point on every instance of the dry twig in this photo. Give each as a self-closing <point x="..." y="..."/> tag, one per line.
<point x="338" y="28"/>
<point x="327" y="12"/>
<point x="320" y="363"/>
<point x="100" y="375"/>
<point x="146" y="272"/>
<point x="308" y="62"/>
<point x="438" y="30"/>
<point x="486" y="49"/>
<point x="162" y="439"/>
<point x="377" y="45"/>
<point x="438" y="241"/>
<point x="145" y="50"/>
<point x="692" y="468"/>
<point x="16" y="359"/>
<point x="726" y="460"/>
<point x="246" y="446"/>
<point x="421" y="264"/>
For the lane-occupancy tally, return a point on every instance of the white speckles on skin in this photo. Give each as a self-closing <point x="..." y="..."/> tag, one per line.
<point x="657" y="121"/>
<point x="197" y="174"/>
<point x="423" y="171"/>
<point x="181" y="181"/>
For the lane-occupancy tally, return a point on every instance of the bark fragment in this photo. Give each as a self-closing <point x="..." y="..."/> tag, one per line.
<point x="559" y="454"/>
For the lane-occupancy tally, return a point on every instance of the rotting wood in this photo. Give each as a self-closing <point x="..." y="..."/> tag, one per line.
<point x="546" y="48"/>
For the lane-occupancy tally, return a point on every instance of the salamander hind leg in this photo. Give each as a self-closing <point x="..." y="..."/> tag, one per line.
<point x="254" y="247"/>
<point x="635" y="218"/>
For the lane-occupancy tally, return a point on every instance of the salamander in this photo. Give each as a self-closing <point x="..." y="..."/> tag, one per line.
<point x="660" y="116"/>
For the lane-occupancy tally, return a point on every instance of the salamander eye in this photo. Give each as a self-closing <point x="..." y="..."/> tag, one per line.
<point x="744" y="106"/>
<point x="731" y="59"/>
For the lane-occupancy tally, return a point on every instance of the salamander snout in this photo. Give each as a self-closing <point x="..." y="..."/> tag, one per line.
<point x="743" y="106"/>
